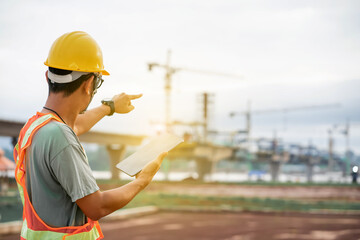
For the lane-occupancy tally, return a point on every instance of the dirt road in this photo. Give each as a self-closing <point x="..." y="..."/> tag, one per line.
<point x="231" y="226"/>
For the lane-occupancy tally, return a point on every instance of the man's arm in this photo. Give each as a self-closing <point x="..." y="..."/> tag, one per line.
<point x="122" y="102"/>
<point x="84" y="122"/>
<point x="100" y="204"/>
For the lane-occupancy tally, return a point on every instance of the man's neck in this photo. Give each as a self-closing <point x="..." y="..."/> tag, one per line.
<point x="66" y="107"/>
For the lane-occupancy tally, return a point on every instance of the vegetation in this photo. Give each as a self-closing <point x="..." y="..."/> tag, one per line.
<point x="175" y="201"/>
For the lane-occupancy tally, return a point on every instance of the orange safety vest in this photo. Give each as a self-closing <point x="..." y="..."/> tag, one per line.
<point x="33" y="227"/>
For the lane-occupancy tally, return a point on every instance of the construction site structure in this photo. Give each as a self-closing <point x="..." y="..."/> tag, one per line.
<point x="169" y="71"/>
<point x="274" y="159"/>
<point x="344" y="130"/>
<point x="205" y="154"/>
<point x="275" y="156"/>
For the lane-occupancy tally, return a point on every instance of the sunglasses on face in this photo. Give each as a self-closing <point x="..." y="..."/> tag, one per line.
<point x="98" y="81"/>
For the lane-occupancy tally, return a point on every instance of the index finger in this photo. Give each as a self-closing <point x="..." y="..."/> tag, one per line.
<point x="132" y="97"/>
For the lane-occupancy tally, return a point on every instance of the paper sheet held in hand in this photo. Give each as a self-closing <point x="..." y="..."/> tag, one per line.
<point x="135" y="162"/>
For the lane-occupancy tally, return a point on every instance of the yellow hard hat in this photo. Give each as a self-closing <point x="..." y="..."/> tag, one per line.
<point x="76" y="51"/>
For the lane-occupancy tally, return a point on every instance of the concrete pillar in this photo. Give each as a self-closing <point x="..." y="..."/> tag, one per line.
<point x="274" y="170"/>
<point x="203" y="167"/>
<point x="309" y="171"/>
<point x="213" y="170"/>
<point x="116" y="153"/>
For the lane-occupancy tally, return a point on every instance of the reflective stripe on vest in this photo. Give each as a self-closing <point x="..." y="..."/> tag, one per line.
<point x="33" y="226"/>
<point x="27" y="233"/>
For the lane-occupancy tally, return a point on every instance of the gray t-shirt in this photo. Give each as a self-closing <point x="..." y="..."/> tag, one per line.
<point x="58" y="174"/>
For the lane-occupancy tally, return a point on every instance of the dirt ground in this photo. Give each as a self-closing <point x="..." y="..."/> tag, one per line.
<point x="174" y="225"/>
<point x="231" y="226"/>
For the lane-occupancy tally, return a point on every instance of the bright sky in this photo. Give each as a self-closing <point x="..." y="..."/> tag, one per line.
<point x="291" y="54"/>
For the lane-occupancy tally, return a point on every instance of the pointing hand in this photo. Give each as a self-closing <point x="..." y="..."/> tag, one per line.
<point x="122" y="102"/>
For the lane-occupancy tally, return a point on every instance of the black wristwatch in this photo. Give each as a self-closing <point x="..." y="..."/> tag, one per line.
<point x="110" y="103"/>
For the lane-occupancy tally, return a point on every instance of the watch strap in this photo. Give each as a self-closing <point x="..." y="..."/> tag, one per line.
<point x="111" y="104"/>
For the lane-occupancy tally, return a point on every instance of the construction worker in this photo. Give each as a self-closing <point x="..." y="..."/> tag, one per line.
<point x="60" y="196"/>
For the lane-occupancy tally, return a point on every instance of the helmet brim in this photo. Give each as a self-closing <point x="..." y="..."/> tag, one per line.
<point x="104" y="72"/>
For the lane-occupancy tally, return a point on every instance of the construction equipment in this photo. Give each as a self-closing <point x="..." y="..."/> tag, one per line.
<point x="169" y="71"/>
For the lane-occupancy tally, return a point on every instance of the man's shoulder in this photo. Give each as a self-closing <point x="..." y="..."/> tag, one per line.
<point x="57" y="128"/>
<point x="58" y="132"/>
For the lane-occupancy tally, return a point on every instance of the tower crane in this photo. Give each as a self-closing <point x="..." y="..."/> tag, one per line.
<point x="248" y="114"/>
<point x="169" y="71"/>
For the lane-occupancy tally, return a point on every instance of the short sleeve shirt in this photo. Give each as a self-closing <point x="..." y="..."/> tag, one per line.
<point x="58" y="174"/>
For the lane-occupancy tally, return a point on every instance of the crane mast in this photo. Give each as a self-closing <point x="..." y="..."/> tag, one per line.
<point x="169" y="71"/>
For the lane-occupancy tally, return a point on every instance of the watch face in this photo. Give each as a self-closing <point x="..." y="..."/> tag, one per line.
<point x="107" y="99"/>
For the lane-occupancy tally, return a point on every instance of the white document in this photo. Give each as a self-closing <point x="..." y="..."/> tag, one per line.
<point x="136" y="161"/>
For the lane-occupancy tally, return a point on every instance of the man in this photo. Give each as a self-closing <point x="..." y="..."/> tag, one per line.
<point x="60" y="196"/>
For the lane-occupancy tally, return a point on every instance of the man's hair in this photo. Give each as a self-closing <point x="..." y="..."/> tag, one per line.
<point x="66" y="88"/>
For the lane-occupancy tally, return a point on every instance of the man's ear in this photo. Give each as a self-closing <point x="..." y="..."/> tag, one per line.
<point x="88" y="85"/>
